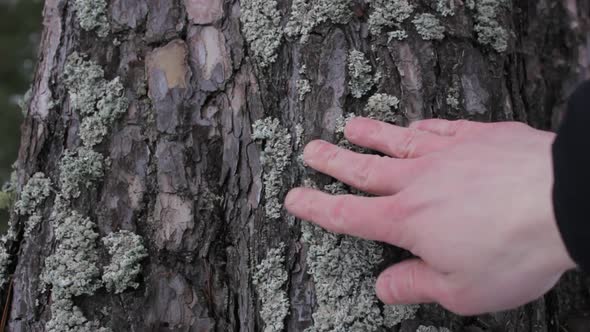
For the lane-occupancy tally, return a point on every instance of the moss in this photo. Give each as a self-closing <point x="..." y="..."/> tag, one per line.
<point x="37" y="189"/>
<point x="308" y="14"/>
<point x="489" y="29"/>
<point x="342" y="270"/>
<point x="79" y="169"/>
<point x="429" y="27"/>
<point x="270" y="279"/>
<point x="395" y="314"/>
<point x="423" y="328"/>
<point x="262" y="28"/>
<point x="127" y="251"/>
<point x="99" y="102"/>
<point x="92" y="15"/>
<point x="66" y="317"/>
<point x="359" y="70"/>
<point x="388" y="13"/>
<point x="275" y="159"/>
<point x="381" y="107"/>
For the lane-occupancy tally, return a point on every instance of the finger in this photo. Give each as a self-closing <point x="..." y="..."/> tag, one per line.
<point x="410" y="282"/>
<point x="371" y="218"/>
<point x="369" y="173"/>
<point x="442" y="127"/>
<point x="393" y="140"/>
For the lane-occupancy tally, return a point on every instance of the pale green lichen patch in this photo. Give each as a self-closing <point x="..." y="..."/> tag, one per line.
<point x="8" y="193"/>
<point x="423" y="328"/>
<point x="396" y="34"/>
<point x="262" y="28"/>
<point x="446" y="7"/>
<point x="489" y="29"/>
<point x="5" y="258"/>
<point x="359" y="71"/>
<point x="275" y="159"/>
<point x="66" y="317"/>
<point x="388" y="13"/>
<point x="79" y="169"/>
<point x="37" y="189"/>
<point x="308" y="14"/>
<point x="395" y="314"/>
<point x="270" y="279"/>
<point x="92" y="14"/>
<point x="127" y="251"/>
<point x="72" y="270"/>
<point x="342" y="270"/>
<point x="381" y="106"/>
<point x="303" y="88"/>
<point x="429" y="27"/>
<point x="99" y="102"/>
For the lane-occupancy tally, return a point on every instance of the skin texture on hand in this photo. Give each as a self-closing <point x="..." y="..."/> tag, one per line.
<point x="471" y="200"/>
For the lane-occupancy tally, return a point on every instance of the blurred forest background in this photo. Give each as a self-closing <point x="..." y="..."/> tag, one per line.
<point x="20" y="24"/>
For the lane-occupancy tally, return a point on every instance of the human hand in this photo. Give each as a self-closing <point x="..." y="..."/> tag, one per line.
<point x="471" y="200"/>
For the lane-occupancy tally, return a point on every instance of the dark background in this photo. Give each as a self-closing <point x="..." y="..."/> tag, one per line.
<point x="20" y="23"/>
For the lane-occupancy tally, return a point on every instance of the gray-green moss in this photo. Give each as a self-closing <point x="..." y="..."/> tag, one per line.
<point x="37" y="189"/>
<point x="429" y="27"/>
<point x="92" y="15"/>
<point x="79" y="169"/>
<point x="127" y="251"/>
<point x="99" y="102"/>
<point x="308" y="14"/>
<point x="381" y="106"/>
<point x="275" y="159"/>
<point x="489" y="30"/>
<point x="387" y="14"/>
<point x="359" y="71"/>
<point x="261" y="22"/>
<point x="270" y="279"/>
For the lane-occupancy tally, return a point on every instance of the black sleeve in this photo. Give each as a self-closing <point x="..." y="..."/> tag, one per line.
<point x="571" y="166"/>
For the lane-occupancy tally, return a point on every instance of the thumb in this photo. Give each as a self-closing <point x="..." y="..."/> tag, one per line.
<point x="409" y="282"/>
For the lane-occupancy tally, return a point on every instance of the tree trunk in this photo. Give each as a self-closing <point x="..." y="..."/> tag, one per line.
<point x="144" y="118"/>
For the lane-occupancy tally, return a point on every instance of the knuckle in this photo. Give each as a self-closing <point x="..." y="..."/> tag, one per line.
<point x="336" y="222"/>
<point x="408" y="145"/>
<point x="364" y="175"/>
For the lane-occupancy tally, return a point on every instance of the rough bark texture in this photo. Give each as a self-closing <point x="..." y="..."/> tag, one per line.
<point x="186" y="175"/>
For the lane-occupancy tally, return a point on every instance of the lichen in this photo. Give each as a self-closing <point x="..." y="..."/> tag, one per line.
<point x="275" y="158"/>
<point x="262" y="28"/>
<point x="396" y="34"/>
<point x="79" y="168"/>
<point x="37" y="189"/>
<point x="127" y="251"/>
<point x="395" y="314"/>
<point x="423" y="328"/>
<point x="270" y="279"/>
<point x="31" y="223"/>
<point x="446" y="7"/>
<point x="388" y="13"/>
<point x="308" y="14"/>
<point x="99" y="102"/>
<point x="72" y="270"/>
<point x="489" y="29"/>
<point x="66" y="317"/>
<point x="381" y="106"/>
<point x="342" y="269"/>
<point x="92" y="14"/>
<point x="359" y="70"/>
<point x="5" y="258"/>
<point x="303" y="88"/>
<point x="429" y="27"/>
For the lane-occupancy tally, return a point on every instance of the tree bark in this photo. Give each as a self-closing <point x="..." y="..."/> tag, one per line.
<point x="186" y="175"/>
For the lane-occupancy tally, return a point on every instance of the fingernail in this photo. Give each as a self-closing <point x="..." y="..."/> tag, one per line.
<point x="383" y="288"/>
